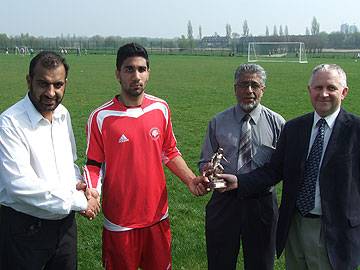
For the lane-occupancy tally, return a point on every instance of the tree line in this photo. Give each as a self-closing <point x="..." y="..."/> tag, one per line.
<point x="314" y="39"/>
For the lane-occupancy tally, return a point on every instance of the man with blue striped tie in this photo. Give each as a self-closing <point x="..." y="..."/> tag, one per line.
<point x="318" y="159"/>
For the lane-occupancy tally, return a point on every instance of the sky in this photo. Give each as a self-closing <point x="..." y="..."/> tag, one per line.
<point x="168" y="18"/>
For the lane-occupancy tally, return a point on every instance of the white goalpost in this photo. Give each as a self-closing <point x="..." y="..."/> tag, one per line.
<point x="277" y="52"/>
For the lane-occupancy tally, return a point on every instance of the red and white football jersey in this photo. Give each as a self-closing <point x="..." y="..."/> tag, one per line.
<point x="133" y="143"/>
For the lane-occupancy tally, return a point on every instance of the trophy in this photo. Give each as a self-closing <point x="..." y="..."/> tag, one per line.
<point x="214" y="168"/>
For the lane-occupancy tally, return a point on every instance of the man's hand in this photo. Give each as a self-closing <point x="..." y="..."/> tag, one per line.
<point x="93" y="209"/>
<point x="93" y="198"/>
<point x="81" y="186"/>
<point x="92" y="192"/>
<point x="231" y="182"/>
<point x="198" y="185"/>
<point x="94" y="206"/>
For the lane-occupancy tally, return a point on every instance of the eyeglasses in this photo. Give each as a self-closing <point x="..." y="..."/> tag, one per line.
<point x="245" y="85"/>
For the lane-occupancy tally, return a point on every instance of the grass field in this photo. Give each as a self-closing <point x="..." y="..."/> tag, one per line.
<point x="196" y="88"/>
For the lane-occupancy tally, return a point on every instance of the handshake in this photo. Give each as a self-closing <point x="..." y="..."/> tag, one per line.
<point x="93" y="199"/>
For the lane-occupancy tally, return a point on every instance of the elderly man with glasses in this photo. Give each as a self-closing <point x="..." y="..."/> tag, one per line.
<point x="248" y="133"/>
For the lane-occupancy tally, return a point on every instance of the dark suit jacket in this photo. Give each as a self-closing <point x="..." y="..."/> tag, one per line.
<point x="339" y="184"/>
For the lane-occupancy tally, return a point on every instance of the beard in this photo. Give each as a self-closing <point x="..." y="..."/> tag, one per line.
<point x="248" y="107"/>
<point x="133" y="93"/>
<point x="43" y="103"/>
<point x="133" y="90"/>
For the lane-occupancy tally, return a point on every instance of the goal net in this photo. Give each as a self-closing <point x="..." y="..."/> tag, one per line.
<point x="277" y="52"/>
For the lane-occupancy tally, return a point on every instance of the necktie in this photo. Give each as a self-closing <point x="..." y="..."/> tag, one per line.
<point x="245" y="145"/>
<point x="305" y="201"/>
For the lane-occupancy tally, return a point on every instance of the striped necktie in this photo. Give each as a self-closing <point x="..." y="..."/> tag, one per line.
<point x="244" y="160"/>
<point x="305" y="201"/>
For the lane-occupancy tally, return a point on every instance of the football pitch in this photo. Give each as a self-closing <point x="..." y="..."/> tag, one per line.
<point x="196" y="88"/>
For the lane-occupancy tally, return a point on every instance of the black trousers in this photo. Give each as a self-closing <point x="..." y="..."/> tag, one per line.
<point x="231" y="222"/>
<point x="30" y="243"/>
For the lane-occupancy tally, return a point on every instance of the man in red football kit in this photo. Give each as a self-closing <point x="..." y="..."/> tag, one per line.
<point x="129" y="139"/>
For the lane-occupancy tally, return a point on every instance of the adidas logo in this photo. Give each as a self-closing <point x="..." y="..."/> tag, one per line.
<point x="123" y="139"/>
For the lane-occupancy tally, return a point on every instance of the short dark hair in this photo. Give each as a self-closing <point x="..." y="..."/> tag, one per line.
<point x="131" y="50"/>
<point x="49" y="60"/>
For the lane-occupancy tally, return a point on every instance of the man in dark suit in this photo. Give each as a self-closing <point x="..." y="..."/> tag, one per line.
<point x="319" y="163"/>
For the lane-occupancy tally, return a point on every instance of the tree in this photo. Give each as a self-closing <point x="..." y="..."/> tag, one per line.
<point x="281" y="32"/>
<point x="183" y="42"/>
<point x="246" y="29"/>
<point x="344" y="28"/>
<point x="234" y="40"/>
<point x="307" y="32"/>
<point x="353" y="29"/>
<point x="97" y="41"/>
<point x="110" y="42"/>
<point x="4" y="40"/>
<point x="228" y="30"/>
<point x="200" y="32"/>
<point x="336" y="40"/>
<point x="235" y="35"/>
<point x="275" y="32"/>
<point x="190" y="34"/>
<point x="267" y="31"/>
<point x="286" y="32"/>
<point x="189" y="31"/>
<point x="315" y="27"/>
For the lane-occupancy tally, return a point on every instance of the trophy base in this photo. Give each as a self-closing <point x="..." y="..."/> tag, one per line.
<point x="219" y="184"/>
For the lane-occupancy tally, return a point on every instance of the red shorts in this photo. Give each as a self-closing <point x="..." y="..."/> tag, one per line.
<point x="148" y="248"/>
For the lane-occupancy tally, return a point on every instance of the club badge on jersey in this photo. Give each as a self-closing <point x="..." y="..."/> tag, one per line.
<point x="154" y="133"/>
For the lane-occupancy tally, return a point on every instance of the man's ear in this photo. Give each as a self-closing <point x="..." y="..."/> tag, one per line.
<point x="117" y="74"/>
<point x="28" y="81"/>
<point x="344" y="92"/>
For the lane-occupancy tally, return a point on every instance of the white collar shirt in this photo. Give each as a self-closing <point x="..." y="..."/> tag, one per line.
<point x="330" y="122"/>
<point x="38" y="175"/>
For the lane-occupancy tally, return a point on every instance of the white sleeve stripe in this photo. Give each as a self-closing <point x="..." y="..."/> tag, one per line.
<point x="88" y="182"/>
<point x="87" y="177"/>
<point x="90" y="121"/>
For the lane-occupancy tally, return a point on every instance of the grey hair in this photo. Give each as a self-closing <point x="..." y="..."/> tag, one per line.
<point x="250" y="68"/>
<point x="330" y="67"/>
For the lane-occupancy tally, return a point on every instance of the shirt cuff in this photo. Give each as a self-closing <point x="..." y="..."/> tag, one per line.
<point x="79" y="202"/>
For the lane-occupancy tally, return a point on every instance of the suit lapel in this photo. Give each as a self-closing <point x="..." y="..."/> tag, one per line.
<point x="304" y="139"/>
